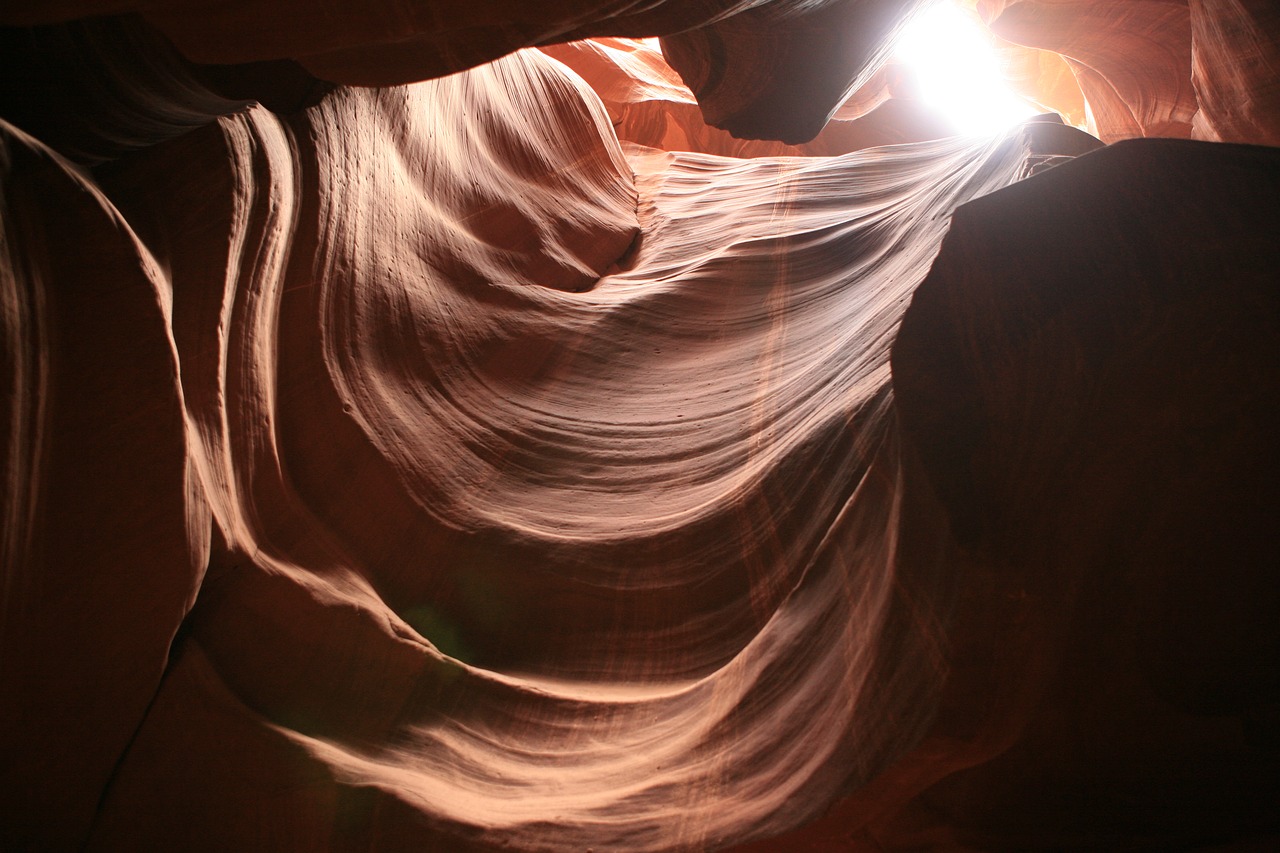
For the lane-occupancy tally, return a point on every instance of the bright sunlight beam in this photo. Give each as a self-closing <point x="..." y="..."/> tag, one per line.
<point x="958" y="72"/>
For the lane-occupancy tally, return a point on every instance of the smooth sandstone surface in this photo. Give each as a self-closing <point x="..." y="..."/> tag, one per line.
<point x="1097" y="408"/>
<point x="649" y="104"/>
<point x="1179" y="68"/>
<point x="516" y="460"/>
<point x="1235" y="58"/>
<point x="105" y="531"/>
<point x="1131" y="60"/>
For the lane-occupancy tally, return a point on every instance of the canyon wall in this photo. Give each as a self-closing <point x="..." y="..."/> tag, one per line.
<point x="521" y="458"/>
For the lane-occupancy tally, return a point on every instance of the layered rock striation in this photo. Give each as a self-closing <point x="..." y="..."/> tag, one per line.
<point x="514" y="459"/>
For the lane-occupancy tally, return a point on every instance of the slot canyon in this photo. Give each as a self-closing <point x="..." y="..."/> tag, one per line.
<point x="636" y="425"/>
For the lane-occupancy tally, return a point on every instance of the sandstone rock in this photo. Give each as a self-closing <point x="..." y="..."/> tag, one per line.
<point x="422" y="467"/>
<point x="1132" y="60"/>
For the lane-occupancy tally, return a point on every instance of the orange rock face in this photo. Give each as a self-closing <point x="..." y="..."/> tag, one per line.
<point x="649" y="105"/>
<point x="1235" y="54"/>
<point x="1160" y="67"/>
<point x="1131" y="60"/>
<point x="518" y="460"/>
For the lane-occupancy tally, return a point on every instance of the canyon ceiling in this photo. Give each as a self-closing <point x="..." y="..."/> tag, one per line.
<point x="475" y="426"/>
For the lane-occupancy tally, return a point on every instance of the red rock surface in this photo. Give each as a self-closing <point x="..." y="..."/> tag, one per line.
<point x="1177" y="68"/>
<point x="780" y="70"/>
<point x="422" y="467"/>
<point x="1235" y="54"/>
<point x="106" y="530"/>
<point x="650" y="105"/>
<point x="1108" y="451"/>
<point x="1131" y="60"/>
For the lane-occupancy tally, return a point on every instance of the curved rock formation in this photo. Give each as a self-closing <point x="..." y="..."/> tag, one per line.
<point x="1132" y="60"/>
<point x="1097" y="410"/>
<point x="382" y="42"/>
<point x="650" y="105"/>
<point x="96" y="89"/>
<point x="641" y="568"/>
<point x="1236" y="70"/>
<point x="1160" y="67"/>
<point x="781" y="70"/>
<point x="105" y="536"/>
<point x="422" y="467"/>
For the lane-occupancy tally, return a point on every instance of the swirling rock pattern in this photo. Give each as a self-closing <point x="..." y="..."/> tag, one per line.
<point x="1132" y="60"/>
<point x="1168" y="68"/>
<point x="649" y="105"/>
<point x="386" y="42"/>
<point x="105" y="535"/>
<point x="476" y="537"/>
<point x="426" y="469"/>
<point x="781" y="70"/>
<point x="1236" y="70"/>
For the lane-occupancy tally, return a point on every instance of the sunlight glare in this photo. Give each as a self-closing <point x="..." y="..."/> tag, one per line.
<point x="958" y="72"/>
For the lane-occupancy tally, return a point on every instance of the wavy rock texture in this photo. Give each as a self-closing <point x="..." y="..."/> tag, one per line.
<point x="497" y="564"/>
<point x="1096" y="407"/>
<point x="1236" y="70"/>
<point x="105" y="534"/>
<point x="776" y="70"/>
<point x="1160" y="67"/>
<point x="649" y="105"/>
<point x="1042" y="77"/>
<point x="383" y="42"/>
<point x="94" y="90"/>
<point x="423" y="468"/>
<point x="1131" y="60"/>
<point x="818" y="49"/>
<point x="781" y="70"/>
